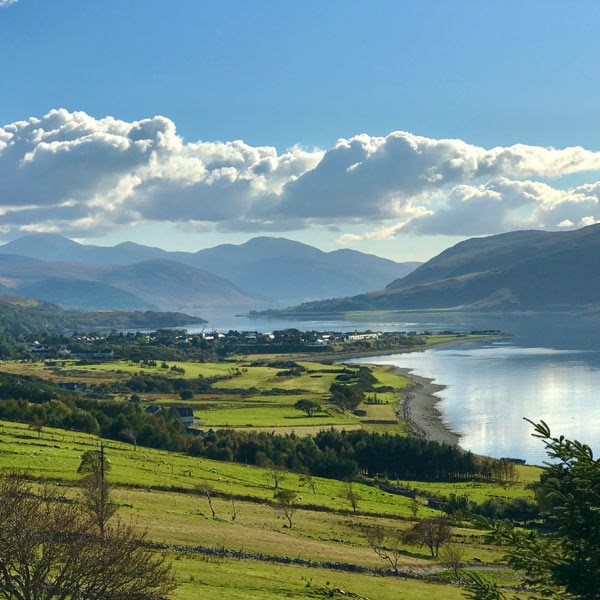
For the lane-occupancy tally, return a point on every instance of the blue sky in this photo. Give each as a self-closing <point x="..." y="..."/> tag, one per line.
<point x="298" y="75"/>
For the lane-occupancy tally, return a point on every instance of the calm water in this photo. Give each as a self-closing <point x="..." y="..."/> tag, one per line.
<point x="549" y="370"/>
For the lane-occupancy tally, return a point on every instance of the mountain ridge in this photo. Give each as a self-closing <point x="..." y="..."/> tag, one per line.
<point x="523" y="270"/>
<point x="271" y="270"/>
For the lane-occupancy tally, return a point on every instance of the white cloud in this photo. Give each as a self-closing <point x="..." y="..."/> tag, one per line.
<point x="4" y="3"/>
<point x="72" y="173"/>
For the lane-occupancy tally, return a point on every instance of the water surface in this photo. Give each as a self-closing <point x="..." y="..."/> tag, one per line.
<point x="489" y="389"/>
<point x="549" y="369"/>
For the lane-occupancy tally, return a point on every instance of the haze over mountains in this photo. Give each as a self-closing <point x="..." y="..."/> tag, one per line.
<point x="262" y="272"/>
<point x="521" y="270"/>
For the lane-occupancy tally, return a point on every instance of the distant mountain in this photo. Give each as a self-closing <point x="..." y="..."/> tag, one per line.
<point x="521" y="270"/>
<point x="52" y="247"/>
<point x="148" y="285"/>
<point x="168" y="283"/>
<point x="284" y="270"/>
<point x="275" y="270"/>
<point x="23" y="315"/>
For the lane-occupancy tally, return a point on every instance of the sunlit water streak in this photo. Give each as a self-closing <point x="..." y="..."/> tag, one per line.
<point x="490" y="389"/>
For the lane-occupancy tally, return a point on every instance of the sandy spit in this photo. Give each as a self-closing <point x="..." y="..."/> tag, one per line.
<point x="418" y="408"/>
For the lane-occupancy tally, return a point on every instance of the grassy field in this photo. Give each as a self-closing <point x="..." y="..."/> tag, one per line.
<point x="151" y="486"/>
<point x="159" y="491"/>
<point x="261" y="409"/>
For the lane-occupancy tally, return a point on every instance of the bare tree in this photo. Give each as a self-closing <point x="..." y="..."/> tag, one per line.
<point x="286" y="503"/>
<point x="432" y="533"/>
<point x="275" y="475"/>
<point x="37" y="425"/>
<point x="233" y="509"/>
<point x="307" y="479"/>
<point x="351" y="495"/>
<point x="386" y="543"/>
<point x="96" y="491"/>
<point x="50" y="550"/>
<point x="207" y="490"/>
<point x="452" y="554"/>
<point x="415" y="506"/>
<point x="131" y="436"/>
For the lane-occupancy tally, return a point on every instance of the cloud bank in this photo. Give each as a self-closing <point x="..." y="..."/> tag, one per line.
<point x="70" y="173"/>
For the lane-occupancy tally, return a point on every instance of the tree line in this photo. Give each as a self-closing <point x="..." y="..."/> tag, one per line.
<point x="343" y="454"/>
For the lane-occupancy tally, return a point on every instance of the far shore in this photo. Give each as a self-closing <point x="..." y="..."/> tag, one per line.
<point x="345" y="355"/>
<point x="417" y="405"/>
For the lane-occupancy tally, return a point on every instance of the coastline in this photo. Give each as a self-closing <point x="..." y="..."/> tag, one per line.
<point x="350" y="354"/>
<point x="418" y="409"/>
<point x="417" y="404"/>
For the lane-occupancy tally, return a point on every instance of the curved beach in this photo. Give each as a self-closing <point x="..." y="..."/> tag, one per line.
<point x="418" y="408"/>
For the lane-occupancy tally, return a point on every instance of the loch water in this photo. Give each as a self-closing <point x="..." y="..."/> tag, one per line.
<point x="548" y="369"/>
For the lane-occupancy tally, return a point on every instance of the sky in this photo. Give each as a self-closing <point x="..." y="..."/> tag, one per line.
<point x="392" y="127"/>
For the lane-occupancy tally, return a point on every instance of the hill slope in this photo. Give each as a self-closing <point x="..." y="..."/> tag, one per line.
<point x="23" y="315"/>
<point x="522" y="270"/>
<point x="154" y="284"/>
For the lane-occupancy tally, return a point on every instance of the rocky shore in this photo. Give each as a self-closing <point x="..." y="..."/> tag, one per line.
<point x="418" y="408"/>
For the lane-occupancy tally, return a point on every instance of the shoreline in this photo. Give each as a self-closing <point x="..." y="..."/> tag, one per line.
<point x="417" y="404"/>
<point x="417" y="407"/>
<point x="351" y="354"/>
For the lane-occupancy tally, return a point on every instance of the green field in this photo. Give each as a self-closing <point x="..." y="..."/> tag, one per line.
<point x="151" y="487"/>
<point x="158" y="490"/>
<point x="260" y="408"/>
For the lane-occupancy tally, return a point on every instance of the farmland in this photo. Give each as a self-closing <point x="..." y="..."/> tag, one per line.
<point x="159" y="491"/>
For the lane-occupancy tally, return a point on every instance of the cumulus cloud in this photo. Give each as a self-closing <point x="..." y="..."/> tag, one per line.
<point x="69" y="172"/>
<point x="4" y="3"/>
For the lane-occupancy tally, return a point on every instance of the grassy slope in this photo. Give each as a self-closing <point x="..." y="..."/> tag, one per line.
<point x="180" y="518"/>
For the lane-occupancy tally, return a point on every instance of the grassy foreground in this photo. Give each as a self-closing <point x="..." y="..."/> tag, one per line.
<point x="153" y="488"/>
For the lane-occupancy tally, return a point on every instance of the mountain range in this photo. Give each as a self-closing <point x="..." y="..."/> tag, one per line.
<point x="264" y="271"/>
<point x="516" y="271"/>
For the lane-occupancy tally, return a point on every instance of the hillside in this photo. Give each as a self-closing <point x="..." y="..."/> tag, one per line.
<point x="276" y="270"/>
<point x="282" y="270"/>
<point x="255" y="555"/>
<point x="22" y="315"/>
<point x="148" y="285"/>
<point x="167" y="283"/>
<point x="522" y="270"/>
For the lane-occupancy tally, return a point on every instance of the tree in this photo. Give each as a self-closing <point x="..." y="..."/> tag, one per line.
<point x="50" y="550"/>
<point x="286" y="503"/>
<point x="432" y="533"/>
<point x="207" y="490"/>
<point x="186" y="394"/>
<point x="351" y="495"/>
<point x="415" y="506"/>
<point x="276" y="475"/>
<point x="479" y="588"/>
<point x="387" y="543"/>
<point x="37" y="425"/>
<point x="306" y="478"/>
<point x="565" y="561"/>
<point x="310" y="407"/>
<point x="131" y="435"/>
<point x="96" y="491"/>
<point x="452" y="555"/>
